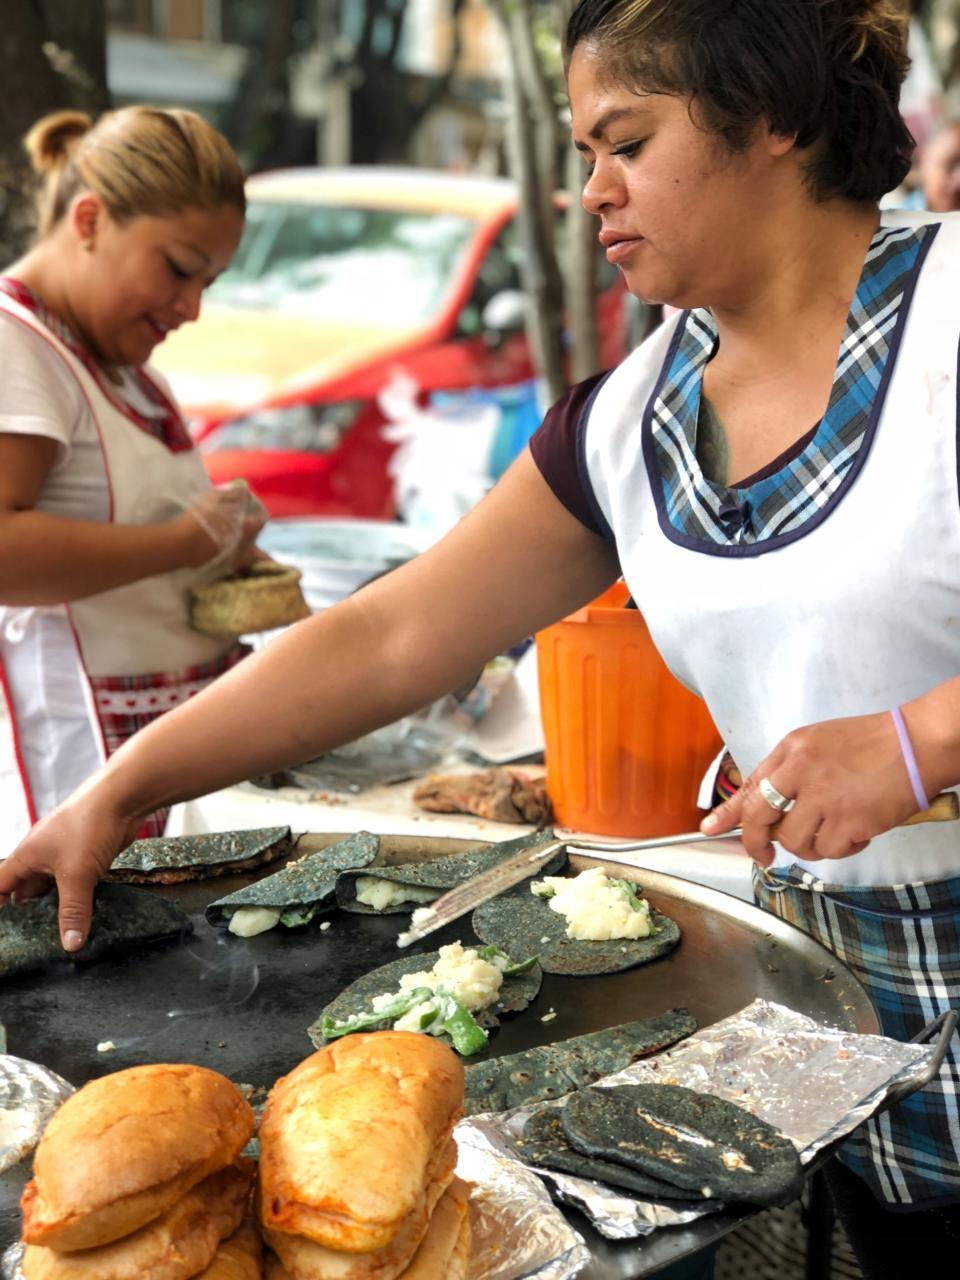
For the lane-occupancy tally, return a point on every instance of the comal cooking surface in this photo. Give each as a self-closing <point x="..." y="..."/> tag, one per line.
<point x="242" y="1006"/>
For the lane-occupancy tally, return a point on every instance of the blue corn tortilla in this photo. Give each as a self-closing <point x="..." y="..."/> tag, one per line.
<point x="521" y="923"/>
<point x="304" y="886"/>
<point x="122" y="918"/>
<point x="543" y="1144"/>
<point x="445" y="873"/>
<point x="552" y="1070"/>
<point x="172" y="859"/>
<point x="703" y="1144"/>
<point x="514" y="996"/>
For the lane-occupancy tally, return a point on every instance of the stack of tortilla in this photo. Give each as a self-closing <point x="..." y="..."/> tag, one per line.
<point x="664" y="1142"/>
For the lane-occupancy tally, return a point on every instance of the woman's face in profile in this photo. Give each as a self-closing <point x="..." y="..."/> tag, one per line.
<point x="676" y="207"/>
<point x="144" y="277"/>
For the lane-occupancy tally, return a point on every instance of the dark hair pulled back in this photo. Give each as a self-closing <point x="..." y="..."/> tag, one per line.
<point x="827" y="72"/>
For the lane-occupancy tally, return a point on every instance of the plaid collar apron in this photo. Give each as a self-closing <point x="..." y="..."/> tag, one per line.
<point x="698" y="510"/>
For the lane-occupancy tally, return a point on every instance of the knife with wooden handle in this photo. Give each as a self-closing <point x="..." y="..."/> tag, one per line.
<point x="465" y="897"/>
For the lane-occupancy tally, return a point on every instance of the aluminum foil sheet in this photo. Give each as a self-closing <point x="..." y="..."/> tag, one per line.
<point x="753" y="1058"/>
<point x="517" y="1230"/>
<point x="10" y="1263"/>
<point x="29" y="1095"/>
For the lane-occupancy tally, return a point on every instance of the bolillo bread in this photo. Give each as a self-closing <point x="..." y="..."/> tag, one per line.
<point x="445" y="1251"/>
<point x="127" y="1147"/>
<point x="239" y="1258"/>
<point x="305" y="1260"/>
<point x="351" y="1138"/>
<point x="179" y="1244"/>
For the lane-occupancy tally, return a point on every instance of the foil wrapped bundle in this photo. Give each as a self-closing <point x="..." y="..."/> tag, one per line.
<point x="753" y="1058"/>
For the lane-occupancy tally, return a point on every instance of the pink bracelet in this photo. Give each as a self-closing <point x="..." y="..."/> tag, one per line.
<point x="909" y="759"/>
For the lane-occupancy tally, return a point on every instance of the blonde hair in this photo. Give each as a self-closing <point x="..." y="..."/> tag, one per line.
<point x="827" y="72"/>
<point x="138" y="160"/>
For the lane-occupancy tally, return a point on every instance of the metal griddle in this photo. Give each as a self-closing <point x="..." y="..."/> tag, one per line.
<point x="242" y="1006"/>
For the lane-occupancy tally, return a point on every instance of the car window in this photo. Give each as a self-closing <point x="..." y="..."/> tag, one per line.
<point x="385" y="266"/>
<point x="500" y="271"/>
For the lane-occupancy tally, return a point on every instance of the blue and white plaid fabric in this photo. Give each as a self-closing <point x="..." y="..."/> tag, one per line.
<point x="781" y="503"/>
<point x="903" y="943"/>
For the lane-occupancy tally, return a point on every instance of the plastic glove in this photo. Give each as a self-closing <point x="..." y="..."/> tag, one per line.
<point x="232" y="517"/>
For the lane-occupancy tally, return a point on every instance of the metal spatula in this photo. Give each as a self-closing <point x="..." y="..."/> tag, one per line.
<point x="450" y="906"/>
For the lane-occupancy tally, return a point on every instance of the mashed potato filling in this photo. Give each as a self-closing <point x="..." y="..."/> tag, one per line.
<point x="375" y="892"/>
<point x="459" y="971"/>
<point x="596" y="907"/>
<point x="247" y="922"/>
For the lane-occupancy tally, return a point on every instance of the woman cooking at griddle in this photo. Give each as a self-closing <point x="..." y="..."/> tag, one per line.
<point x="775" y="471"/>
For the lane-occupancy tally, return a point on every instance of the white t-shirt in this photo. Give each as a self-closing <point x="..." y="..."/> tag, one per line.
<point x="41" y="397"/>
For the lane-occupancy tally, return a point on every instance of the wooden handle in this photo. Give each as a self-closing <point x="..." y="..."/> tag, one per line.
<point x="943" y="808"/>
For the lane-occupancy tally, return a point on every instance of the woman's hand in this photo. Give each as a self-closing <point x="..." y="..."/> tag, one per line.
<point x="73" y="846"/>
<point x="231" y="519"/>
<point x="847" y="779"/>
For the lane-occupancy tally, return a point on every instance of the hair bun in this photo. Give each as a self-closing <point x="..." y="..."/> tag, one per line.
<point x="51" y="139"/>
<point x="860" y="23"/>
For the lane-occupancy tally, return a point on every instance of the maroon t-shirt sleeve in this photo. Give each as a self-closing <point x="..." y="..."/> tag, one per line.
<point x="557" y="448"/>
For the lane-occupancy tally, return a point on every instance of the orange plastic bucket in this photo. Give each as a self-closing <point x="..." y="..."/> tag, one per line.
<point x="626" y="743"/>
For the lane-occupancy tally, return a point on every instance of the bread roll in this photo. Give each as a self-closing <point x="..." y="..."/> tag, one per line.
<point x="304" y="1260"/>
<point x="445" y="1252"/>
<point x="239" y="1258"/>
<point x="350" y="1139"/>
<point x="179" y="1244"/>
<point x="125" y="1148"/>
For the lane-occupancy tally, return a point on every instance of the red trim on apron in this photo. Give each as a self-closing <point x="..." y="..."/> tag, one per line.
<point x="91" y="697"/>
<point x="17" y="750"/>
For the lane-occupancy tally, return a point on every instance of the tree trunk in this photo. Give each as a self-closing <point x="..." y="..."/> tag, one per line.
<point x="258" y="122"/>
<point x="580" y="276"/>
<point x="580" y="259"/>
<point x="540" y="272"/>
<point x="52" y="56"/>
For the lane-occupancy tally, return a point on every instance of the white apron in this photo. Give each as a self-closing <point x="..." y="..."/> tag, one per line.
<point x="51" y="725"/>
<point x="857" y="615"/>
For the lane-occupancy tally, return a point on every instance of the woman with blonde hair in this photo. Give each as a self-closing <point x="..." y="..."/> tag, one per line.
<point x="775" y="472"/>
<point x="106" y="515"/>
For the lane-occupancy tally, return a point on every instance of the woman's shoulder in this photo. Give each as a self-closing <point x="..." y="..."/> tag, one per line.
<point x="38" y="384"/>
<point x="944" y="226"/>
<point x="634" y="380"/>
<point x="642" y="365"/>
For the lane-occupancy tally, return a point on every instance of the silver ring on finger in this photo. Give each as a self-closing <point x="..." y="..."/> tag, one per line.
<point x="774" y="798"/>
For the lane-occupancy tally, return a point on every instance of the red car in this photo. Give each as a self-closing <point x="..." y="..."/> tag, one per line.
<point x="344" y="279"/>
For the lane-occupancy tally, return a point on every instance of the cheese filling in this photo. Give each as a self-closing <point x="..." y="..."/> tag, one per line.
<point x="375" y="892"/>
<point x="460" y="972"/>
<point x="247" y="922"/>
<point x="596" y="907"/>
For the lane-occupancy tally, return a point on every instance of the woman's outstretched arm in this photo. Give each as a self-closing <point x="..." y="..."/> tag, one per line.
<point x="517" y="562"/>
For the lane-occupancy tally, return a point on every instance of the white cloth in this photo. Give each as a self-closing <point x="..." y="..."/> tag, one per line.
<point x="854" y="617"/>
<point x="108" y="468"/>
